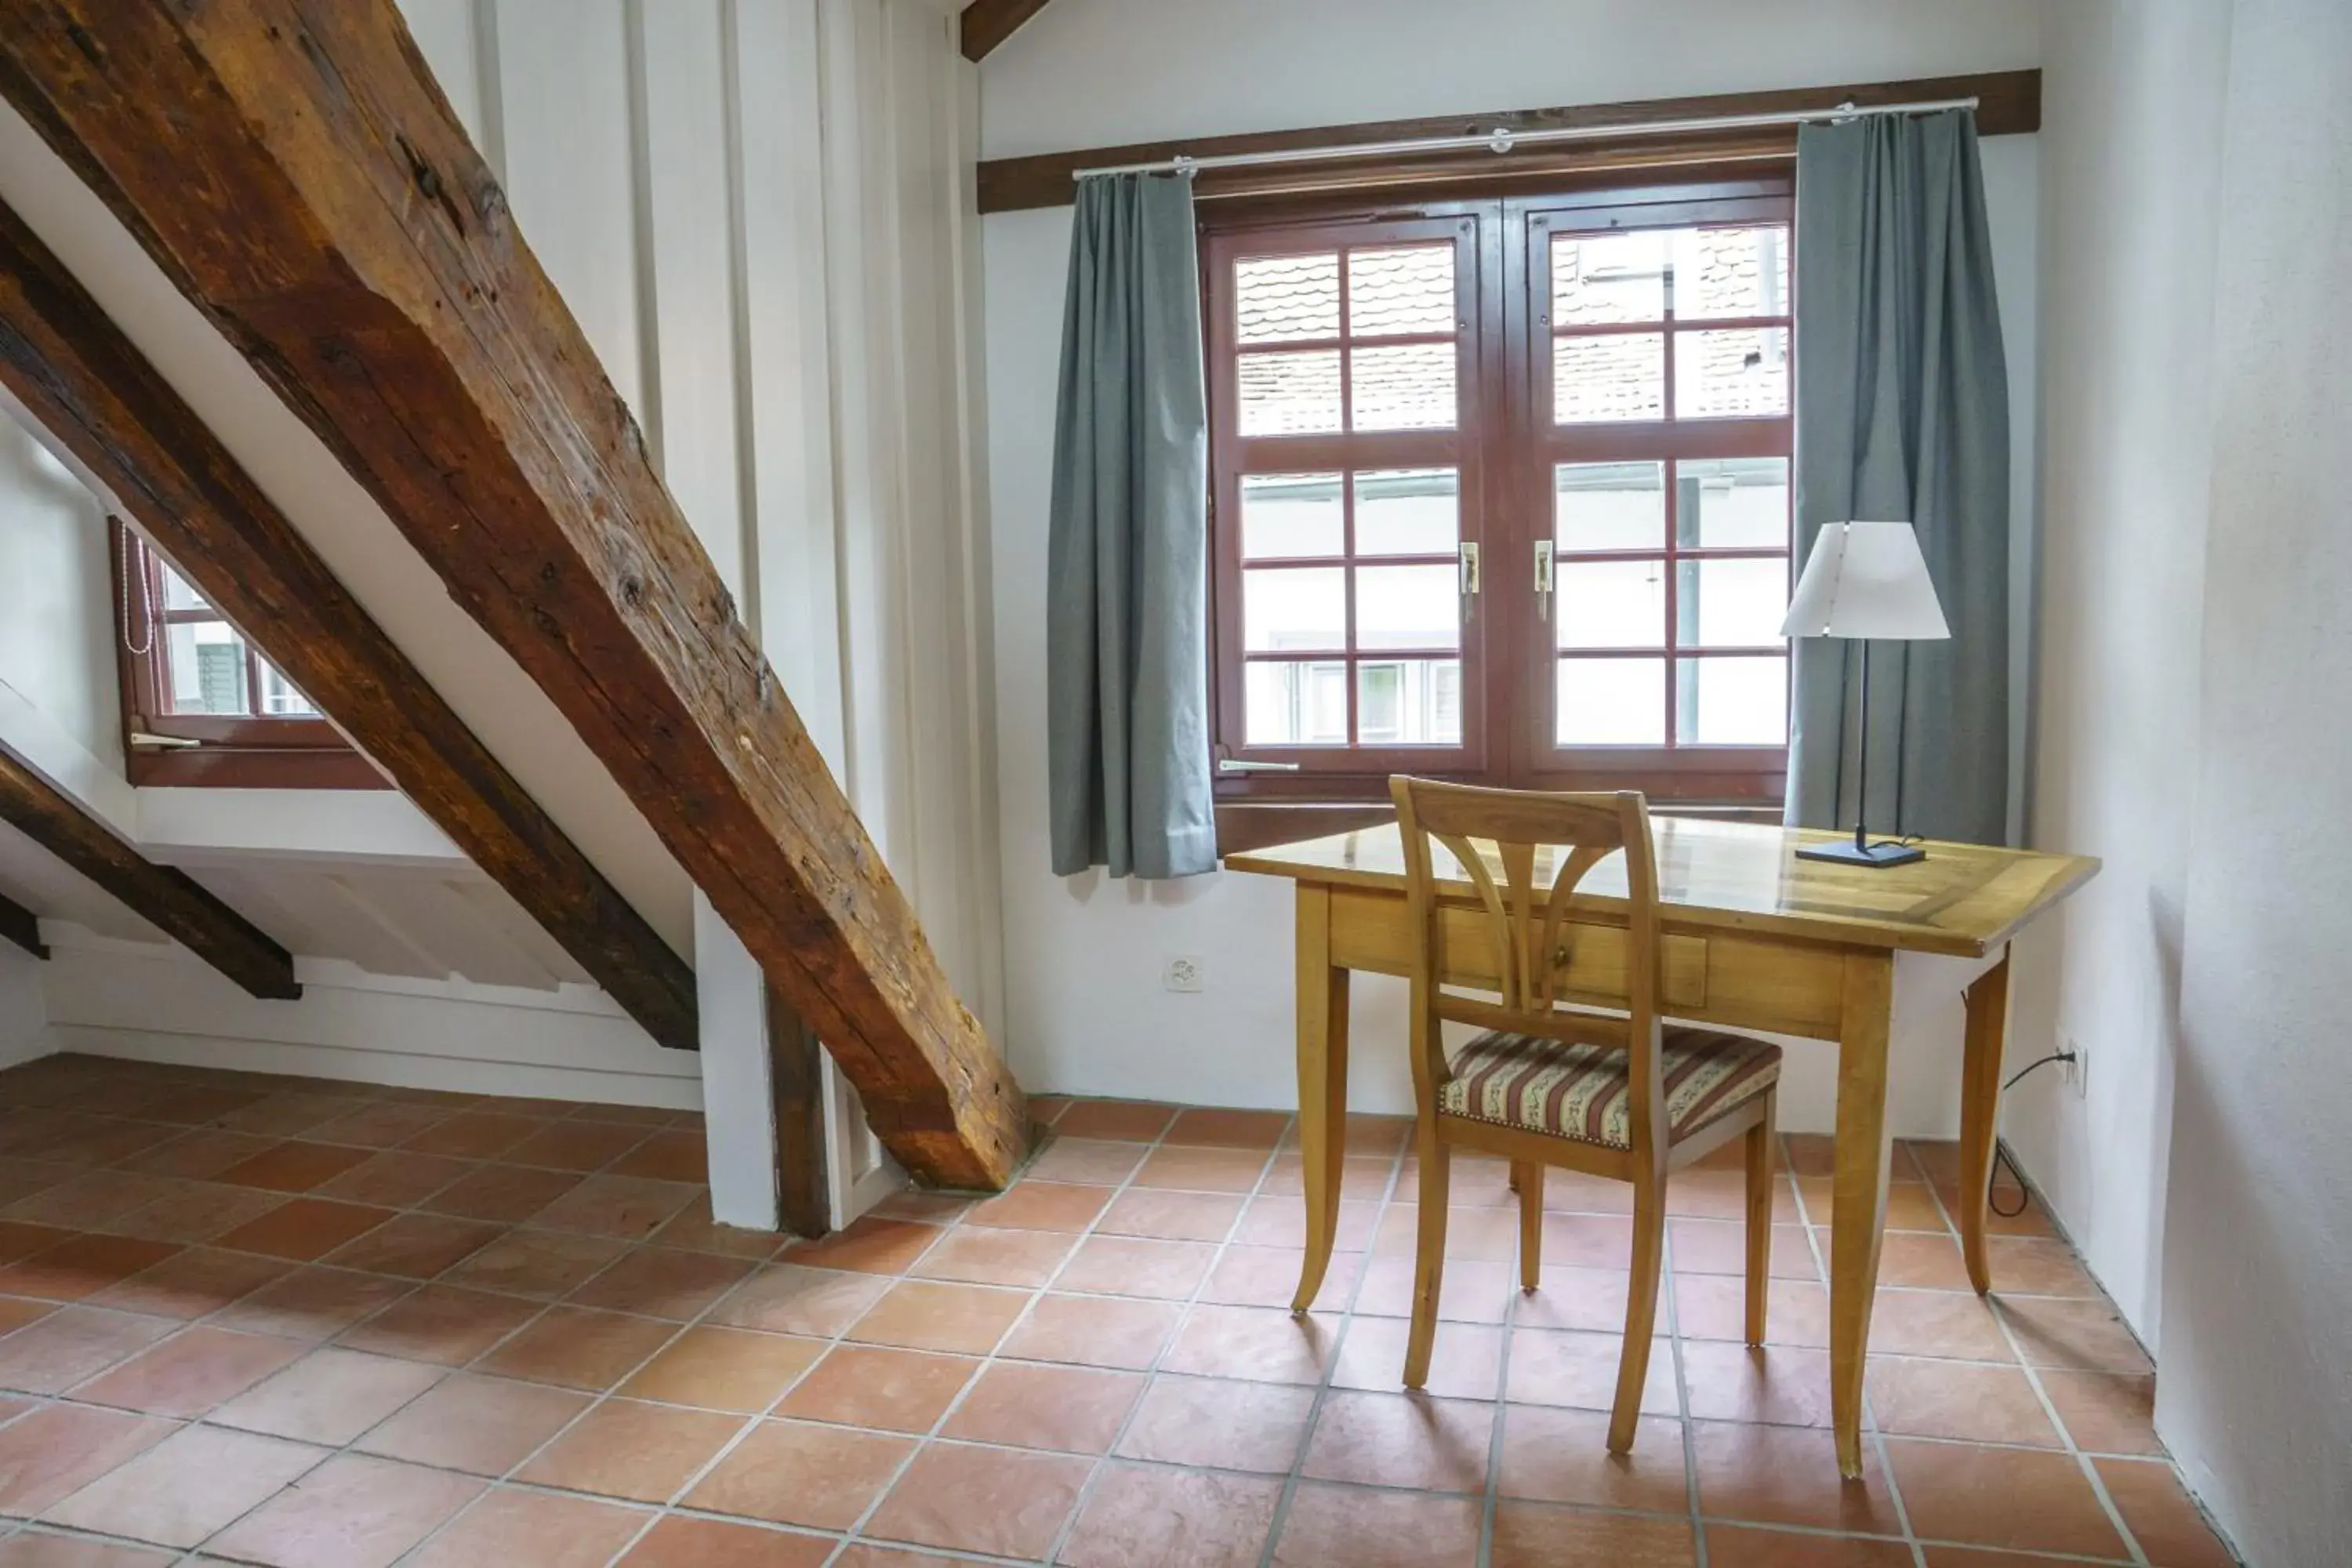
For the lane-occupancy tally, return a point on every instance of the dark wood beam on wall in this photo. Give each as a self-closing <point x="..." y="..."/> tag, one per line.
<point x="165" y="896"/>
<point x="293" y="168"/>
<point x="988" y="23"/>
<point x="17" y="924"/>
<point x="87" y="384"/>
<point x="796" y="1081"/>
<point x="2008" y="102"/>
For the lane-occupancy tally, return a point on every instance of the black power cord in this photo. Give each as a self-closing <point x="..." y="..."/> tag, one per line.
<point x="2000" y="1151"/>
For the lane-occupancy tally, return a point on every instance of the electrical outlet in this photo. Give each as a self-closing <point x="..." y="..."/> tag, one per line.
<point x="2075" y="1073"/>
<point x="1185" y="973"/>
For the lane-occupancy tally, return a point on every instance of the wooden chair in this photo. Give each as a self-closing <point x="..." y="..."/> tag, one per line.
<point x="1619" y="1096"/>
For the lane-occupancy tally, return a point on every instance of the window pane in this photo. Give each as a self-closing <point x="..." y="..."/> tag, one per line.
<point x="1611" y="702"/>
<point x="1295" y="703"/>
<point x="1622" y="376"/>
<point x="1731" y="372"/>
<point x="1291" y="514"/>
<point x="1408" y="512"/>
<point x="1408" y="606"/>
<point x="178" y="594"/>
<point x="1610" y="603"/>
<point x="1289" y="393"/>
<point x="1408" y="387"/>
<point x="1731" y="701"/>
<point x="1731" y="503"/>
<point x="207" y="667"/>
<point x="280" y="697"/>
<point x="1408" y="703"/>
<point x="1730" y="603"/>
<point x="1394" y="292"/>
<point x="1721" y="272"/>
<point x="1286" y="608"/>
<point x="1610" y="506"/>
<point x="1597" y="277"/>
<point x="1282" y="298"/>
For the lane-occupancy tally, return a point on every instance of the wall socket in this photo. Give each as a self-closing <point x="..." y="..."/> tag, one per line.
<point x="2077" y="1072"/>
<point x="1185" y="973"/>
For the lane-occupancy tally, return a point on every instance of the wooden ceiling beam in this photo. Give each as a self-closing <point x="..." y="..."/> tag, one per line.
<point x="94" y="393"/>
<point x="19" y="925"/>
<point x="165" y="896"/>
<point x="2008" y="102"/>
<point x="988" y="23"/>
<point x="293" y="168"/>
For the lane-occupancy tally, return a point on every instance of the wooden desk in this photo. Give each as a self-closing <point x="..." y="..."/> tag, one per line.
<point x="1753" y="938"/>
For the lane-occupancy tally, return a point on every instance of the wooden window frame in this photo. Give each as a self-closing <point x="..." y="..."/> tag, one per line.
<point x="218" y="750"/>
<point x="1506" y="446"/>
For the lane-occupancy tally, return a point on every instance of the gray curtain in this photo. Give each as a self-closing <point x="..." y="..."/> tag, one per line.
<point x="1903" y="415"/>
<point x="1126" y="605"/>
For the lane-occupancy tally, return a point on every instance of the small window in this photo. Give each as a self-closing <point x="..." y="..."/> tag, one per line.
<point x="202" y="705"/>
<point x="1500" y="490"/>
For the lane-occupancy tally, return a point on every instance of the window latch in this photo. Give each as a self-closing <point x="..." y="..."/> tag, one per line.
<point x="1543" y="579"/>
<point x="1242" y="765"/>
<point x="1470" y="569"/>
<point x="140" y="741"/>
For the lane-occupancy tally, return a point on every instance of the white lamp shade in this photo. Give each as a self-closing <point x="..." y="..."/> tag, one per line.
<point x="1866" y="580"/>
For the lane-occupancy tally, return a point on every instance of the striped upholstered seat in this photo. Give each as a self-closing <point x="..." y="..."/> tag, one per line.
<point x="1580" y="1091"/>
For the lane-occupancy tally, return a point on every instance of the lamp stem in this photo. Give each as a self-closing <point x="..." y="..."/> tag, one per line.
<point x="1862" y="759"/>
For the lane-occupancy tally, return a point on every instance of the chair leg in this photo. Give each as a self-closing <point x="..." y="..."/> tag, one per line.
<point x="1429" y="1259"/>
<point x="1529" y="1178"/>
<point x="1761" y="1140"/>
<point x="1640" y="1309"/>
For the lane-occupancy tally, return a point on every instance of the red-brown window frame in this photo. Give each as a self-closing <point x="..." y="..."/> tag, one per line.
<point x="1503" y="639"/>
<point x="219" y="751"/>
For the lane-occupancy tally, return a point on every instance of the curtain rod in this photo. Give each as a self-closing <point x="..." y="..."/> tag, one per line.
<point x="1501" y="140"/>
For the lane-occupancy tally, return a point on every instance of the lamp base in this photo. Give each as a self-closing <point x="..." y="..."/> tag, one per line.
<point x="1846" y="852"/>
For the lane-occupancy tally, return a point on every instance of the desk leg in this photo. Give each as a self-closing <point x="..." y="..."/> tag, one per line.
<point x="1858" y="1190"/>
<point x="1988" y="1030"/>
<point x="1322" y="1085"/>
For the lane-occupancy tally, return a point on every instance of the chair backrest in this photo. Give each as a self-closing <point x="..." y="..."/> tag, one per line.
<point x="1522" y="928"/>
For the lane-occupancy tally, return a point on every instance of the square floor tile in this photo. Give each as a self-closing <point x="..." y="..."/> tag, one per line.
<point x="574" y="1348"/>
<point x="919" y="1314"/>
<point x="193" y="1483"/>
<point x="725" y="1369"/>
<point x="1134" y="1265"/>
<point x="1466" y="1359"/>
<point x="292" y="1167"/>
<point x="1328" y="1525"/>
<point x="889" y="1390"/>
<point x="626" y="1448"/>
<point x="414" y="1245"/>
<point x="1043" y="1206"/>
<point x="1259" y="1343"/>
<point x="330" y="1396"/>
<point x="1566" y="1367"/>
<point x="663" y="1282"/>
<point x="442" y="1324"/>
<point x="787" y="1299"/>
<point x="312" y="1303"/>
<point x="1400" y="1440"/>
<point x="2002" y="1497"/>
<point x="1092" y="1331"/>
<point x="49" y="1454"/>
<point x="630" y="1208"/>
<point x="682" y="1541"/>
<point x="503" y="1194"/>
<point x="1070" y="1409"/>
<point x="189" y="1373"/>
<point x="542" y="1264"/>
<point x="1219" y="1424"/>
<point x="1958" y="1400"/>
<point x="980" y="1499"/>
<point x="1787" y="1475"/>
<point x="2160" y="1514"/>
<point x="191" y="1284"/>
<point x="349" y="1512"/>
<point x="509" y="1528"/>
<point x="305" y="1229"/>
<point x="870" y="1245"/>
<point x="1139" y="1514"/>
<point x="1533" y="1535"/>
<point x="795" y="1472"/>
<point x="1562" y="1456"/>
<point x="483" y="1425"/>
<point x="982" y="1254"/>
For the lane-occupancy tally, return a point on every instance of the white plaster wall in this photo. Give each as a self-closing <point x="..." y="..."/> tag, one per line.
<point x="2255" y="1390"/>
<point x="1084" y="956"/>
<point x="56" y="644"/>
<point x="23" y="1013"/>
<point x="2131" y="164"/>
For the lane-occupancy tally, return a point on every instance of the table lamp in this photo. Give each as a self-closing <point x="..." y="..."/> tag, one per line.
<point x="1865" y="581"/>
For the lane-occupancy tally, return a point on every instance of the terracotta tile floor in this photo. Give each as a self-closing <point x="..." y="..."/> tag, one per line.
<point x="322" y="1325"/>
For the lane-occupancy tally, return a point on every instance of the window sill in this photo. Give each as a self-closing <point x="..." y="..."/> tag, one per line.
<point x="1243" y="826"/>
<point x="211" y="766"/>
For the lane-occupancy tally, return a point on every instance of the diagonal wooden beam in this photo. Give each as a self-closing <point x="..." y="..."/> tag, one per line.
<point x="76" y="375"/>
<point x="167" y="897"/>
<point x="17" y="924"/>
<point x="988" y="23"/>
<point x="293" y="168"/>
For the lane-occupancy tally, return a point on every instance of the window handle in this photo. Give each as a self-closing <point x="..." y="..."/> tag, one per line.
<point x="1240" y="766"/>
<point x="1543" y="579"/>
<point x="140" y="741"/>
<point x="1470" y="569"/>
